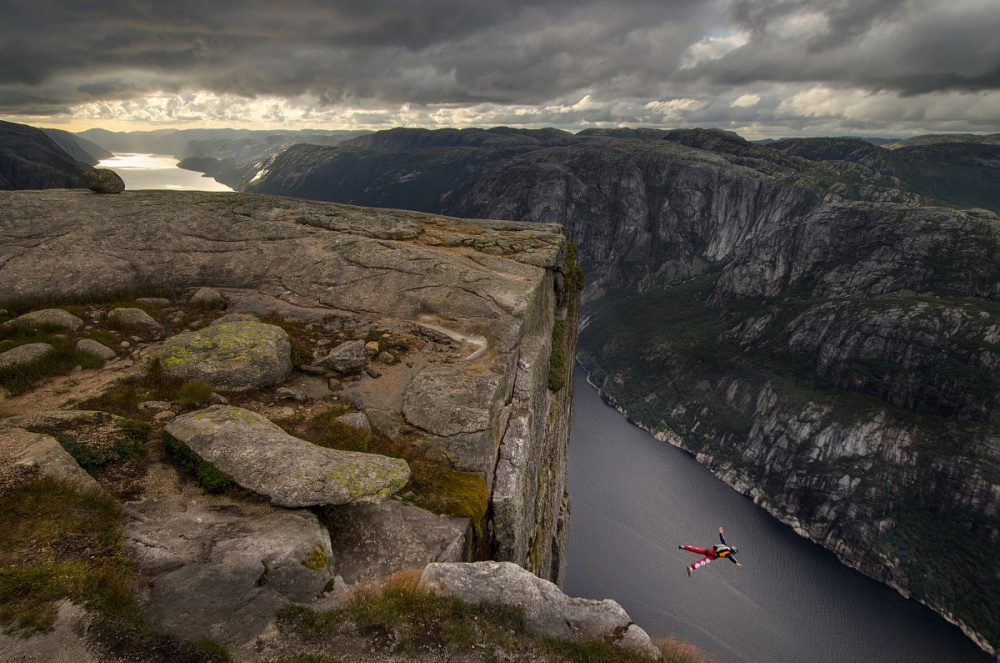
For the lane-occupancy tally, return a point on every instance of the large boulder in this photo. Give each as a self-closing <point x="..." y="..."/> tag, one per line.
<point x="24" y="354"/>
<point x="103" y="180"/>
<point x="261" y="457"/>
<point x="50" y="317"/>
<point x="547" y="610"/>
<point x="232" y="356"/>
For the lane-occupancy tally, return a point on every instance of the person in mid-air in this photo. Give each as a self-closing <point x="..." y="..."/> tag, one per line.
<point x="715" y="552"/>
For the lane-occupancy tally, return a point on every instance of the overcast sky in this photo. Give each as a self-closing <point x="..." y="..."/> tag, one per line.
<point x="763" y="68"/>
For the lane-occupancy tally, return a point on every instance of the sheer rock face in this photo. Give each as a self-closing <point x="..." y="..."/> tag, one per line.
<point x="489" y="291"/>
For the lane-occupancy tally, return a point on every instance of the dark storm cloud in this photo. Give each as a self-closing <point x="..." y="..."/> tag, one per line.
<point x="434" y="51"/>
<point x="909" y="46"/>
<point x="575" y="61"/>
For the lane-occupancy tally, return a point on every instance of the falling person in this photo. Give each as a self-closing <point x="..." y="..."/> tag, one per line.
<point x="715" y="552"/>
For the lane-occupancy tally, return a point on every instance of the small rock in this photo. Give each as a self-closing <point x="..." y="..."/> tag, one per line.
<point x="77" y="369"/>
<point x="92" y="347"/>
<point x="284" y="412"/>
<point x="357" y="420"/>
<point x="125" y="344"/>
<point x="130" y="318"/>
<point x="128" y="363"/>
<point x="286" y="394"/>
<point x="218" y="399"/>
<point x="312" y="369"/>
<point x="347" y="358"/>
<point x="103" y="180"/>
<point x="154" y="405"/>
<point x="335" y="385"/>
<point x="207" y="296"/>
<point x="386" y="358"/>
<point x="161" y="417"/>
<point x="371" y="347"/>
<point x="374" y="373"/>
<point x="323" y="342"/>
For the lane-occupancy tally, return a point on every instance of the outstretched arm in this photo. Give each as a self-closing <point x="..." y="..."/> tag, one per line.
<point x="733" y="560"/>
<point x="722" y="537"/>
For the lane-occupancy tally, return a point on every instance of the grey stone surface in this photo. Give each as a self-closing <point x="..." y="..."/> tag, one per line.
<point x="50" y="317"/>
<point x="263" y="458"/>
<point x="65" y="643"/>
<point x="103" y="180"/>
<point x="92" y="347"/>
<point x="207" y="296"/>
<point x="374" y="541"/>
<point x="231" y="356"/>
<point x="548" y="611"/>
<point x="24" y="354"/>
<point x="347" y="358"/>
<point x="216" y="571"/>
<point x="126" y="318"/>
<point x="46" y="455"/>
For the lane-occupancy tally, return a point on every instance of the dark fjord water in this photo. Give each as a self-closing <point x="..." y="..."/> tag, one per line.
<point x="636" y="499"/>
<point x="158" y="171"/>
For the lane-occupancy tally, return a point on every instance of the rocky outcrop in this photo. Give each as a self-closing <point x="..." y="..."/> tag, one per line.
<point x="547" y="611"/>
<point x="476" y="300"/>
<point x="261" y="457"/>
<point x="24" y="354"/>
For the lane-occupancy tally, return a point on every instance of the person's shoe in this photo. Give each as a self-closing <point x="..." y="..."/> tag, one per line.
<point x="689" y="572"/>
<point x="680" y="547"/>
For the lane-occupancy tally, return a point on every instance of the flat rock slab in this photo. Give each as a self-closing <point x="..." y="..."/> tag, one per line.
<point x="548" y="611"/>
<point x="24" y="354"/>
<point x="375" y="541"/>
<point x="232" y="356"/>
<point x="220" y="571"/>
<point x="261" y="457"/>
<point x="50" y="317"/>
<point x="46" y="455"/>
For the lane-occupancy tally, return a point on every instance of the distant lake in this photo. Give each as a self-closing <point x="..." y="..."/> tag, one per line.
<point x="158" y="171"/>
<point x="636" y="499"/>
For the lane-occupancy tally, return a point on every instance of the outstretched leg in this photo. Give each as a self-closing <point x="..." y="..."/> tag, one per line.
<point x="700" y="551"/>
<point x="700" y="563"/>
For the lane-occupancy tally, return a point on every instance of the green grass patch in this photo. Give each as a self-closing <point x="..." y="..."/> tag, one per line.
<point x="412" y="620"/>
<point x="124" y="397"/>
<point x="208" y="476"/>
<point x="63" y="359"/>
<point x="57" y="542"/>
<point x="194" y="393"/>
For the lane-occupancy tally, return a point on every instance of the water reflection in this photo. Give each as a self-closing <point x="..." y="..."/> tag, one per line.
<point x="158" y="171"/>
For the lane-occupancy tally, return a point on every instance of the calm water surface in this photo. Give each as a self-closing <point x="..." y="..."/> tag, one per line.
<point x="636" y="499"/>
<point x="158" y="171"/>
